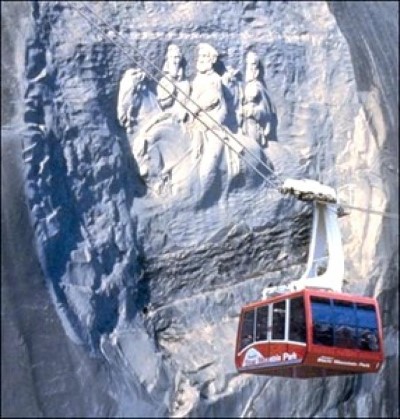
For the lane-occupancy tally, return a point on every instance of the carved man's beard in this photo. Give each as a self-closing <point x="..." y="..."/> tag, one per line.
<point x="203" y="66"/>
<point x="173" y="70"/>
<point x="251" y="74"/>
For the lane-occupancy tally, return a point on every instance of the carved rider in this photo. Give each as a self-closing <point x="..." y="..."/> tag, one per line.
<point x="257" y="110"/>
<point x="207" y="91"/>
<point x="209" y="107"/>
<point x="167" y="91"/>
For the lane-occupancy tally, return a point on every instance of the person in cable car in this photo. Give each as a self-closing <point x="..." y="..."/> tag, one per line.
<point x="247" y="340"/>
<point x="369" y="341"/>
<point x="262" y="329"/>
<point x="345" y="338"/>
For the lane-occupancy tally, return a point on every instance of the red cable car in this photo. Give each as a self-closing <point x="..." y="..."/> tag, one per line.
<point x="306" y="330"/>
<point x="310" y="333"/>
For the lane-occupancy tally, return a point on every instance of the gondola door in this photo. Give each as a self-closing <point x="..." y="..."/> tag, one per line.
<point x="297" y="331"/>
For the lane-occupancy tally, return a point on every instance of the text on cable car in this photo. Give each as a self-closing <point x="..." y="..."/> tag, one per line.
<point x="331" y="360"/>
<point x="253" y="357"/>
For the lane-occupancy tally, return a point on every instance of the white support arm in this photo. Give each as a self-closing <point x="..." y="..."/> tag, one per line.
<point x="325" y="243"/>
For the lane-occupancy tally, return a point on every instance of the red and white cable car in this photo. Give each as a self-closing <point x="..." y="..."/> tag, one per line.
<point x="310" y="328"/>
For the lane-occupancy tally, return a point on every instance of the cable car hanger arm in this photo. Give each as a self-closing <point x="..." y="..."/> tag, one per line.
<point x="325" y="239"/>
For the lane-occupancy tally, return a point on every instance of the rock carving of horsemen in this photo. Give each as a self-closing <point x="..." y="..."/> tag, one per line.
<point x="180" y="144"/>
<point x="157" y="138"/>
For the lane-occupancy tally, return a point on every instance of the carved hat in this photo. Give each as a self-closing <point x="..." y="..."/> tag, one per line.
<point x="252" y="55"/>
<point x="172" y="48"/>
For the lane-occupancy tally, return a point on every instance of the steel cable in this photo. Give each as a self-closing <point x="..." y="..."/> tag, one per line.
<point x="222" y="128"/>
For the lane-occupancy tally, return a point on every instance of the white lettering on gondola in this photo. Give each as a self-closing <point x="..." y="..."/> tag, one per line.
<point x="253" y="357"/>
<point x="330" y="360"/>
<point x="289" y="357"/>
<point x="349" y="363"/>
<point x="364" y="365"/>
<point x="325" y="359"/>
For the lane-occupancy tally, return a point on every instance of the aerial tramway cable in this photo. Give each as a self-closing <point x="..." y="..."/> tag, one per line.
<point x="123" y="48"/>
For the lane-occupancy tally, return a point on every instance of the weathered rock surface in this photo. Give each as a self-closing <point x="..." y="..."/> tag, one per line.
<point x="130" y="307"/>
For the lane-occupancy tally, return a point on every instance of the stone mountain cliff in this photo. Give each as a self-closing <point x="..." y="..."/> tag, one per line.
<point x="117" y="301"/>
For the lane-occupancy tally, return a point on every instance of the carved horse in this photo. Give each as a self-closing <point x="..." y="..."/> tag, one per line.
<point x="165" y="152"/>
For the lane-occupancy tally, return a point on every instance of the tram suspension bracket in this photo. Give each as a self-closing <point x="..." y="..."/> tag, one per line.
<point x="325" y="241"/>
<point x="309" y="190"/>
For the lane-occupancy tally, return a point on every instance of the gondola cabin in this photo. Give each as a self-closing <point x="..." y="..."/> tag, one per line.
<point x="310" y="333"/>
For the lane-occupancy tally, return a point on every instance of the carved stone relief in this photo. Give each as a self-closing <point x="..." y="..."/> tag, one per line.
<point x="257" y="112"/>
<point x="181" y="134"/>
<point x="173" y="88"/>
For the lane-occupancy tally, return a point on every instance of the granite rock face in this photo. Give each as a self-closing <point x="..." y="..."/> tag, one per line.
<point x="131" y="306"/>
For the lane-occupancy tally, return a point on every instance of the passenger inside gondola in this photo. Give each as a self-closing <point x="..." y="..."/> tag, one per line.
<point x="344" y="324"/>
<point x="344" y="338"/>
<point x="262" y="323"/>
<point x="367" y="328"/>
<point x="323" y="334"/>
<point x="247" y="340"/>
<point x="247" y="336"/>
<point x="368" y="341"/>
<point x="278" y="321"/>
